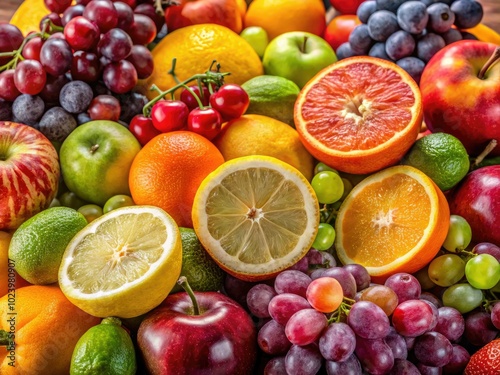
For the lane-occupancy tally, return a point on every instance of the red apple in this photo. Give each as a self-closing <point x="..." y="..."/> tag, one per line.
<point x="194" y="12"/>
<point x="221" y="339"/>
<point x="457" y="101"/>
<point x="346" y="6"/>
<point x="477" y="199"/>
<point x="29" y="173"/>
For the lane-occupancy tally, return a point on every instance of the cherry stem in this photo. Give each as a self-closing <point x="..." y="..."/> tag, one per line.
<point x="183" y="282"/>
<point x="489" y="147"/>
<point x="4" y="338"/>
<point x="493" y="58"/>
<point x="198" y="100"/>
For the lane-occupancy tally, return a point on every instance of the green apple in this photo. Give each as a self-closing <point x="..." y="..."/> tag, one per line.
<point x="297" y="56"/>
<point x="96" y="158"/>
<point x="256" y="36"/>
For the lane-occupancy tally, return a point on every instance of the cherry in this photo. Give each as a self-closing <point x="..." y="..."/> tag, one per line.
<point x="142" y="128"/>
<point x="205" y="121"/>
<point x="169" y="115"/>
<point x="191" y="101"/>
<point x="231" y="101"/>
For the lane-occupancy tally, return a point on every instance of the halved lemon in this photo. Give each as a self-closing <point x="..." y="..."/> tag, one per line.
<point x="256" y="216"/>
<point x="122" y="264"/>
<point x="393" y="221"/>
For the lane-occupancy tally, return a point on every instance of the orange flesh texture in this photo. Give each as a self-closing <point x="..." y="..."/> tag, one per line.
<point x="362" y="106"/>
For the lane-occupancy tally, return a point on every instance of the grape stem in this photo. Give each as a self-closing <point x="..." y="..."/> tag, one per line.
<point x="493" y="58"/>
<point x="342" y="311"/>
<point x="185" y="285"/>
<point x="210" y="76"/>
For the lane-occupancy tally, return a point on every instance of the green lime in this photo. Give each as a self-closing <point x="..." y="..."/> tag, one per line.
<point x="202" y="272"/>
<point x="37" y="246"/>
<point x="105" y="349"/>
<point x="272" y="96"/>
<point x="440" y="156"/>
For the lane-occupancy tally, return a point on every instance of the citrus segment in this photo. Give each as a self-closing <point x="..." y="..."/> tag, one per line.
<point x="122" y="264"/>
<point x="28" y="16"/>
<point x="359" y="115"/>
<point x="393" y="221"/>
<point x="255" y="216"/>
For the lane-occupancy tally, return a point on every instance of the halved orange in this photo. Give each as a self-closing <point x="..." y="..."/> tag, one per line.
<point x="359" y="115"/>
<point x="393" y="221"/>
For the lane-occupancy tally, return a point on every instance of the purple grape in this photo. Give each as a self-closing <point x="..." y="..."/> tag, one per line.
<point x="431" y="298"/>
<point x="337" y="342"/>
<point x="5" y="110"/>
<point x="258" y="298"/>
<point x="375" y="355"/>
<point x="429" y="45"/>
<point x="451" y="36"/>
<point x="366" y="9"/>
<point x="378" y="50"/>
<point x="495" y="315"/>
<point x="82" y="118"/>
<point x="75" y="96"/>
<point x="441" y="18"/>
<point x="344" y="51"/>
<point x="429" y="370"/>
<point x="403" y="367"/>
<point x="72" y="12"/>
<point x="459" y="359"/>
<point x="345" y="279"/>
<point x="292" y="281"/>
<point x="468" y="36"/>
<point x="283" y="306"/>
<point x="275" y="366"/>
<point x="350" y="366"/>
<point x="406" y="286"/>
<point x="272" y="339"/>
<point x="434" y="309"/>
<point x="382" y="24"/>
<point x="305" y="326"/>
<point x="315" y="257"/>
<point x="487" y="248"/>
<point x="132" y="104"/>
<point x="412" y="317"/>
<point x="451" y="323"/>
<point x="468" y="13"/>
<point x="237" y="289"/>
<point x="479" y="329"/>
<point x="115" y="45"/>
<point x="302" y="265"/>
<point x="410" y="341"/>
<point x="397" y="344"/>
<point x="360" y="40"/>
<point x="360" y="274"/>
<point x="28" y="109"/>
<point x="413" y="66"/>
<point x="317" y="273"/>
<point x="56" y="56"/>
<point x="390" y="5"/>
<point x="125" y="15"/>
<point x="303" y="360"/>
<point x="433" y="349"/>
<point x="412" y="17"/>
<point x="400" y="44"/>
<point x="328" y="260"/>
<point x="368" y="320"/>
<point x="56" y="124"/>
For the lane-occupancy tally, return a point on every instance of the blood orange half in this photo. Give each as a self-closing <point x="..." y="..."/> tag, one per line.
<point x="359" y="115"/>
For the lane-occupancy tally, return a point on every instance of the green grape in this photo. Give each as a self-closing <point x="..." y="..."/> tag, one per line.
<point x="483" y="271"/>
<point x="325" y="237"/>
<point x="322" y="167"/>
<point x="117" y="201"/>
<point x="347" y="188"/>
<point x="55" y="203"/>
<point x="446" y="270"/>
<point x="459" y="235"/>
<point x="70" y="199"/>
<point x="90" y="211"/>
<point x="496" y="288"/>
<point x="328" y="187"/>
<point x="463" y="297"/>
<point x="423" y="278"/>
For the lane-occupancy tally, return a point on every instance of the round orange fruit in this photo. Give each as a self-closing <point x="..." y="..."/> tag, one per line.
<point x="359" y="115"/>
<point x="167" y="172"/>
<point x="393" y="221"/>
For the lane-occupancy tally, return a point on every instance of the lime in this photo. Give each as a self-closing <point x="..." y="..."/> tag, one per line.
<point x="440" y="156"/>
<point x="38" y="245"/>
<point x="199" y="268"/>
<point x="272" y="96"/>
<point x="105" y="349"/>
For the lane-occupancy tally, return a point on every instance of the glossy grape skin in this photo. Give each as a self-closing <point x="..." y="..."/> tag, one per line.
<point x="275" y="366"/>
<point x="432" y="298"/>
<point x="81" y="34"/>
<point x="429" y="370"/>
<point x="52" y="89"/>
<point x="433" y="349"/>
<point x="397" y="344"/>
<point x="337" y="342"/>
<point x="412" y="17"/>
<point x="375" y="355"/>
<point x="399" y="45"/>
<point x="72" y="12"/>
<point x="434" y="309"/>
<point x="11" y="39"/>
<point x="149" y="10"/>
<point x="459" y="234"/>
<point x="125" y="15"/>
<point x="104" y="107"/>
<point x="495" y="315"/>
<point x="360" y="274"/>
<point x="365" y="10"/>
<point x="305" y="326"/>
<point x="143" y="29"/>
<point x="191" y="101"/>
<point x="272" y="338"/>
<point x="321" y="167"/>
<point x="487" y="248"/>
<point x="103" y="13"/>
<point x="303" y="360"/>
<point x="463" y="297"/>
<point x="70" y="199"/>
<point x="56" y="57"/>
<point x="429" y="45"/>
<point x="378" y="50"/>
<point x="406" y="286"/>
<point x="345" y="278"/>
<point x="30" y="77"/>
<point x="283" y="306"/>
<point x="344" y="51"/>
<point x="57" y="6"/>
<point x="90" y="211"/>
<point x="381" y="25"/>
<point x="142" y="59"/>
<point x="302" y="265"/>
<point x="231" y="101"/>
<point x="381" y="295"/>
<point x="483" y="271"/>
<point x="292" y="281"/>
<point x="441" y="18"/>
<point x="54" y="18"/>
<point x="446" y="270"/>
<point x="32" y="48"/>
<point x="390" y="5"/>
<point x="368" y="321"/>
<point x="350" y="366"/>
<point x="479" y="329"/>
<point x="412" y="317"/>
<point x="115" y="45"/>
<point x="328" y="187"/>
<point x="120" y="77"/>
<point x="325" y="237"/>
<point x="467" y="13"/>
<point x="360" y="40"/>
<point x="324" y="294"/>
<point x="85" y="66"/>
<point x="402" y="366"/>
<point x="8" y="89"/>
<point x="459" y="359"/>
<point x="258" y="298"/>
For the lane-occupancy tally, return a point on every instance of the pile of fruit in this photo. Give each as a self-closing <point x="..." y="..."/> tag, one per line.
<point x="279" y="187"/>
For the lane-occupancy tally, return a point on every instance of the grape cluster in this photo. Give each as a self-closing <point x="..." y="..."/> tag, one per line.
<point x="82" y="65"/>
<point x="410" y="32"/>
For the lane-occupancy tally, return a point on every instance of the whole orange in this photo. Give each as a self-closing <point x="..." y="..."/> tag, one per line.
<point x="168" y="171"/>
<point x="46" y="327"/>
<point x="280" y="16"/>
<point x="8" y="267"/>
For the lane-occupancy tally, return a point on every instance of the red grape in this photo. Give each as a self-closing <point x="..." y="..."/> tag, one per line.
<point x="272" y="338"/>
<point x="337" y="342"/>
<point x="85" y="66"/>
<point x="32" y="49"/>
<point x="433" y="349"/>
<point x="375" y="356"/>
<point x="72" y="12"/>
<point x="103" y="13"/>
<point x="283" y="306"/>
<point x="149" y="10"/>
<point x="397" y="344"/>
<point x="125" y="15"/>
<point x="344" y="277"/>
<point x="143" y="29"/>
<point x="360" y="274"/>
<point x="30" y="77"/>
<point x="52" y="89"/>
<point x="120" y="77"/>
<point x="405" y="285"/>
<point x="11" y="39"/>
<point x="142" y="59"/>
<point x="104" y="107"/>
<point x="275" y="366"/>
<point x="130" y="3"/>
<point x="57" y="6"/>
<point x="382" y="296"/>
<point x="258" y="298"/>
<point x="81" y="34"/>
<point x="368" y="321"/>
<point x="412" y="317"/>
<point x="292" y="281"/>
<point x="350" y="366"/>
<point x="56" y="57"/>
<point x="8" y="89"/>
<point x="55" y="18"/>
<point x="305" y="326"/>
<point x="115" y="45"/>
<point x="303" y="360"/>
<point x="479" y="329"/>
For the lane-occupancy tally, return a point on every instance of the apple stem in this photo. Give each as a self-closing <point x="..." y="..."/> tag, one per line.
<point x="94" y="148"/>
<point x="485" y="152"/>
<point x="303" y="49"/>
<point x="493" y="58"/>
<point x="4" y="338"/>
<point x="187" y="288"/>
